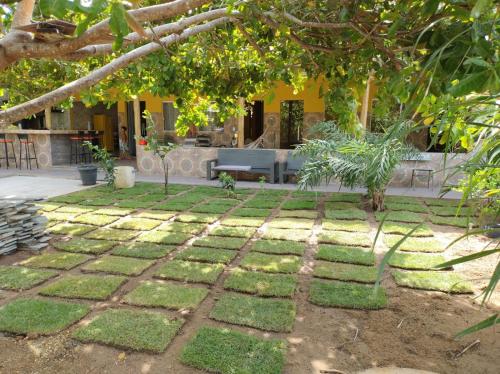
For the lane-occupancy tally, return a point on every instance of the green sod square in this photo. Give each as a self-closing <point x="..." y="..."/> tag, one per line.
<point x="155" y="214"/>
<point x="262" y="284"/>
<point x="137" y="224"/>
<point x="173" y="205"/>
<point x="91" y="287"/>
<point x="220" y="242"/>
<point x="407" y="207"/>
<point x="354" y="214"/>
<point x="189" y="271"/>
<point x="276" y="195"/>
<point x="76" y="209"/>
<point x="357" y="239"/>
<point x="197" y="218"/>
<point x="119" y="265"/>
<point x="285" y="234"/>
<point x="142" y="250"/>
<point x="101" y="201"/>
<point x="311" y="214"/>
<point x="400" y="216"/>
<point x="346" y="225"/>
<point x="412" y="244"/>
<point x="67" y="199"/>
<point x="403" y="200"/>
<point x="415" y="261"/>
<point x="345" y="272"/>
<point x="112" y="234"/>
<point x="271" y="263"/>
<point x="21" y="278"/>
<point x="56" y="260"/>
<point x="351" y="255"/>
<point x="261" y="203"/>
<point x="251" y="212"/>
<point x="153" y="197"/>
<point x="202" y="254"/>
<point x="55" y="216"/>
<point x="114" y="211"/>
<point x="279" y="247"/>
<point x="405" y="228"/>
<point x="134" y="204"/>
<point x="211" y="209"/>
<point x="95" y="219"/>
<point x="71" y="229"/>
<point x="241" y="221"/>
<point x="446" y="211"/>
<point x="30" y="316"/>
<point x="130" y="329"/>
<point x="84" y="245"/>
<point x="291" y="223"/>
<point x="463" y="222"/>
<point x="226" y="202"/>
<point x="235" y="232"/>
<point x="432" y="280"/>
<point x="443" y="202"/>
<point x="345" y="197"/>
<point x="341" y="205"/>
<point x="261" y="313"/>
<point x="164" y="237"/>
<point x="166" y="295"/>
<point x="299" y="204"/>
<point x="227" y="351"/>
<point x="307" y="195"/>
<point x="45" y="206"/>
<point x="346" y="295"/>
<point x="189" y="228"/>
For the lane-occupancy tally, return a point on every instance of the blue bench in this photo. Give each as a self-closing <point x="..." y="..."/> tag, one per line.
<point x="291" y="166"/>
<point x="257" y="161"/>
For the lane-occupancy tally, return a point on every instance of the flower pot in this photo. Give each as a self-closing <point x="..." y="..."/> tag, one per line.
<point x="495" y="230"/>
<point x="124" y="176"/>
<point x="88" y="174"/>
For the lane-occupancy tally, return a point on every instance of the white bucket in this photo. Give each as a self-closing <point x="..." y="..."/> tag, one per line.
<point x="124" y="176"/>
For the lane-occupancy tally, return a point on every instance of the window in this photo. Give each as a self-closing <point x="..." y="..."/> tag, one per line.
<point x="170" y="114"/>
<point x="291" y="123"/>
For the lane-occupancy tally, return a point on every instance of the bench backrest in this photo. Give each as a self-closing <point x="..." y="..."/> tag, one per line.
<point x="256" y="158"/>
<point x="294" y="162"/>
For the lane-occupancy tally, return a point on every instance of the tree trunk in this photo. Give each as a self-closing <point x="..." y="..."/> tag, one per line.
<point x="378" y="201"/>
<point x="165" y="173"/>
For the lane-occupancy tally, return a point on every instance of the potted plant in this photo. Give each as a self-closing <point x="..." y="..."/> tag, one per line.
<point x="142" y="141"/>
<point x="106" y="161"/>
<point x="88" y="174"/>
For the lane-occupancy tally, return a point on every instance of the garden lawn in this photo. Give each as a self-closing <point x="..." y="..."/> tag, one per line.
<point x="415" y="261"/>
<point x="130" y="329"/>
<point x="220" y="242"/>
<point x="84" y="245"/>
<point x="21" y="278"/>
<point x="354" y="214"/>
<point x="135" y="204"/>
<point x="74" y="209"/>
<point x="350" y="255"/>
<point x="346" y="225"/>
<point x="345" y="197"/>
<point x="213" y="255"/>
<point x="47" y="206"/>
<point x="299" y="204"/>
<point x="346" y="295"/>
<point x="405" y="228"/>
<point x="137" y="224"/>
<point x="143" y="250"/>
<point x="241" y="221"/>
<point x="261" y="203"/>
<point x="189" y="271"/>
<point x="415" y="244"/>
<point x="114" y="211"/>
<point x="166" y="295"/>
<point x="279" y="247"/>
<point x="286" y="234"/>
<point x="197" y="218"/>
<point x="56" y="260"/>
<point x="400" y="216"/>
<point x="341" y="205"/>
<point x="261" y="284"/>
<point x="155" y="214"/>
<point x="449" y="211"/>
<point x="71" y="229"/>
<point x="432" y="280"/>
<point x="415" y="208"/>
<point x="189" y="228"/>
<point x="237" y="232"/>
<point x="358" y="239"/>
<point x="29" y="316"/>
<point x="345" y="272"/>
<point x="164" y="237"/>
<point x="55" y="216"/>
<point x="311" y="214"/>
<point x="119" y="265"/>
<point x="227" y="351"/>
<point x="463" y="222"/>
<point x="261" y="313"/>
<point x="291" y="223"/>
<point x="95" y="219"/>
<point x="442" y="202"/>
<point x="210" y="208"/>
<point x="84" y="286"/>
<point x="271" y="263"/>
<point x="403" y="200"/>
<point x="251" y="212"/>
<point x="112" y="234"/>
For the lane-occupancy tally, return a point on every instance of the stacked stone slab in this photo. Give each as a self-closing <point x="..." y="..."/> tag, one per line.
<point x="21" y="227"/>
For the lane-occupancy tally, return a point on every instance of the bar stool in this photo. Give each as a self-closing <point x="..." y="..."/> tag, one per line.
<point x="6" y="157"/>
<point x="76" y="147"/>
<point x="25" y="143"/>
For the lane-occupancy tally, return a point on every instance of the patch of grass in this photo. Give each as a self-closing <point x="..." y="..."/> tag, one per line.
<point x="341" y="205"/>
<point x="225" y="201"/>
<point x="349" y="255"/>
<point x="406" y="200"/>
<point x="135" y="204"/>
<point x="251" y="212"/>
<point x="462" y="222"/>
<point x="21" y="278"/>
<point x="84" y="245"/>
<point x="432" y="280"/>
<point x="99" y="201"/>
<point x="152" y="197"/>
<point x="189" y="228"/>
<point x="265" y="314"/>
<point x="262" y="284"/>
<point x="415" y="261"/>
<point x="240" y="221"/>
<point x="354" y="214"/>
<point x="412" y="244"/>
<point x="143" y="250"/>
<point x="67" y="199"/>
<point x="211" y="208"/>
<point x="346" y="225"/>
<point x="71" y="229"/>
<point x="299" y="204"/>
<point x="155" y="214"/>
<point x="55" y="216"/>
<point x="189" y="271"/>
<point x="119" y="265"/>
<point x="220" y="242"/>
<point x="227" y="351"/>
<point x="271" y="194"/>
<point x="404" y="228"/>
<point x="291" y="223"/>
<point x="346" y="295"/>
<point x="137" y="224"/>
<point x="450" y="211"/>
<point x="202" y="254"/>
<point x="345" y="272"/>
<point x="112" y="234"/>
<point x="46" y="206"/>
<point x="235" y="232"/>
<point x="56" y="260"/>
<point x="84" y="287"/>
<point x="285" y="234"/>
<point x="114" y="211"/>
<point x="164" y="237"/>
<point x="271" y="263"/>
<point x="177" y="206"/>
<point x="400" y="216"/>
<point x="197" y="218"/>
<point x="29" y="316"/>
<point x="261" y="203"/>
<point x="443" y="202"/>
<point x="307" y="195"/>
<point x="166" y="295"/>
<point x="358" y="239"/>
<point x="131" y="329"/>
<point x="279" y="247"/>
<point x="311" y="214"/>
<point x="76" y="209"/>
<point x="345" y="197"/>
<point x="95" y="219"/>
<point x="407" y="207"/>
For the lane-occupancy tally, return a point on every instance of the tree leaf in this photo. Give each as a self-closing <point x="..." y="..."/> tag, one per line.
<point x="488" y="322"/>
<point x="467" y="258"/>
<point x="472" y="82"/>
<point x="118" y="24"/>
<point x="479" y="8"/>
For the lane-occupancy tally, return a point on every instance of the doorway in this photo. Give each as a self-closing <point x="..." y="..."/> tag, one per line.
<point x="131" y="125"/>
<point x="291" y="123"/>
<point x="254" y="120"/>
